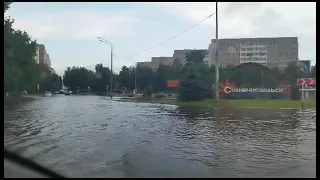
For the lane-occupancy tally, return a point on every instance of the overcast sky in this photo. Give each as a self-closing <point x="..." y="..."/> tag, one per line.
<point x="69" y="30"/>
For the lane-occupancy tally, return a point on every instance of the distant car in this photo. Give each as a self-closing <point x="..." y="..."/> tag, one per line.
<point x="47" y="94"/>
<point x="60" y="92"/>
<point x="67" y="92"/>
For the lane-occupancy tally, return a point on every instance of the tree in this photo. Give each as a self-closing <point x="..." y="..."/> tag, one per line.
<point x="192" y="87"/>
<point x="126" y="78"/>
<point x="160" y="83"/>
<point x="194" y="57"/>
<point x="78" y="77"/>
<point x="49" y="81"/>
<point x="145" y="77"/>
<point x="21" y="71"/>
<point x="102" y="79"/>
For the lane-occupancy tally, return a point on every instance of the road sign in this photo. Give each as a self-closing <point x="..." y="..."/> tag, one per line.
<point x="306" y="81"/>
<point x="172" y="83"/>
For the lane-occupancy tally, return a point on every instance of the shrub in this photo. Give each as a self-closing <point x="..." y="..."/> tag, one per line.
<point x="147" y="92"/>
<point x="159" y="95"/>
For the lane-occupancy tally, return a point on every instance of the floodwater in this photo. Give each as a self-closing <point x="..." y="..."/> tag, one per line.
<point x="91" y="136"/>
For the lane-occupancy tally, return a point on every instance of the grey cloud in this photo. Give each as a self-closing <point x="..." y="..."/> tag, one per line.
<point x="233" y="8"/>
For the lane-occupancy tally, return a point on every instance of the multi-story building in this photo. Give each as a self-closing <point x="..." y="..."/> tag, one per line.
<point x="46" y="60"/>
<point x="271" y="52"/>
<point x="207" y="60"/>
<point x="36" y="57"/>
<point x="180" y="55"/>
<point x="42" y="57"/>
<point x="155" y="62"/>
<point x="162" y="60"/>
<point x="153" y="66"/>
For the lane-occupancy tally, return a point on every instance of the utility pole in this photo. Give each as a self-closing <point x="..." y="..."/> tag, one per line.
<point x="135" y="79"/>
<point x="111" y="76"/>
<point x="217" y="56"/>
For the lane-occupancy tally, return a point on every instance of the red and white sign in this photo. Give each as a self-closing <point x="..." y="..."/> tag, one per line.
<point x="306" y="81"/>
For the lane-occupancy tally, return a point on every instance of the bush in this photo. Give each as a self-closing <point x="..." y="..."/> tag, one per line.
<point x="169" y="94"/>
<point x="130" y="95"/>
<point x="209" y="94"/>
<point x="159" y="95"/>
<point x="147" y="92"/>
<point x="295" y="93"/>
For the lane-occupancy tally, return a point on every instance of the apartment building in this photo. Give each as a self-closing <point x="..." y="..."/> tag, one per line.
<point x="180" y="55"/>
<point x="155" y="62"/>
<point x="153" y="66"/>
<point x="36" y="57"/>
<point x="162" y="60"/>
<point x="47" y="60"/>
<point x="42" y="57"/>
<point x="271" y="52"/>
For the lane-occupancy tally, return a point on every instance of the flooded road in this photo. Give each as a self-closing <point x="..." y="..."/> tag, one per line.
<point x="91" y="136"/>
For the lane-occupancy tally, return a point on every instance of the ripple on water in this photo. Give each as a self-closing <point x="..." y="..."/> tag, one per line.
<point x="107" y="138"/>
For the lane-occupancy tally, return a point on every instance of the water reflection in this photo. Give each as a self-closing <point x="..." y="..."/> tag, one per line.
<point x="107" y="138"/>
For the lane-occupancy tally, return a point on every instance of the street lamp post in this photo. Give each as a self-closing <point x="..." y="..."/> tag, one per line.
<point x="111" y="76"/>
<point x="217" y="55"/>
<point x="135" y="79"/>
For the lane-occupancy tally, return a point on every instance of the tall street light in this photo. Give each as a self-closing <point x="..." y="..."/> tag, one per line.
<point x="111" y="76"/>
<point x="217" y="56"/>
<point x="135" y="79"/>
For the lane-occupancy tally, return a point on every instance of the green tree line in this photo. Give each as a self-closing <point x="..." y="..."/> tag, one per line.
<point x="21" y="72"/>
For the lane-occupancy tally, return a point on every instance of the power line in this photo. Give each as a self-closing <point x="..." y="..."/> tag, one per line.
<point x="175" y="35"/>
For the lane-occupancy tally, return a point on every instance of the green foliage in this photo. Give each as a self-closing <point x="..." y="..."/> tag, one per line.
<point x="159" y="95"/>
<point x="49" y="81"/>
<point x="161" y="78"/>
<point x="192" y="87"/>
<point x="145" y="77"/>
<point x="101" y="79"/>
<point x="194" y="57"/>
<point x="126" y="77"/>
<point x="6" y="6"/>
<point x="147" y="92"/>
<point x="79" y="77"/>
<point x="21" y="72"/>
